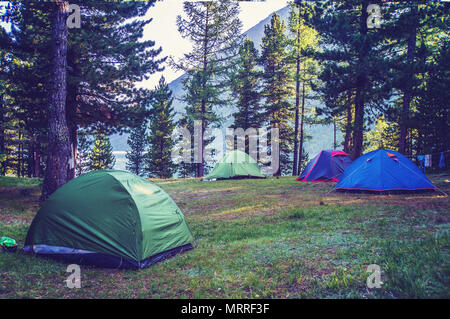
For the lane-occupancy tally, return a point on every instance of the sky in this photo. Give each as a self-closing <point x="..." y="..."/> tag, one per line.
<point x="164" y="32"/>
<point x="163" y="29"/>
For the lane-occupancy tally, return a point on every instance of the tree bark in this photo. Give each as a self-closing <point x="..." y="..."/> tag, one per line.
<point x="407" y="94"/>
<point x="19" y="153"/>
<point x="297" y="102"/>
<point x="334" y="133"/>
<point x="348" y="128"/>
<point x="358" y="124"/>
<point x="200" y="170"/>
<point x="276" y="125"/>
<point x="2" y="134"/>
<point x="56" y="173"/>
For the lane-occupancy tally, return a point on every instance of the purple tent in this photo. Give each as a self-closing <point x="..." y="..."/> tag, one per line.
<point x="327" y="166"/>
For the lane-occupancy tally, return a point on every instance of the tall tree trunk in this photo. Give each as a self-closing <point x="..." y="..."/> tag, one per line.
<point x="200" y="170"/>
<point x="334" y="133"/>
<point x="407" y="94"/>
<point x="2" y="134"/>
<point x="297" y="101"/>
<point x="358" y="126"/>
<point x="56" y="173"/>
<point x="19" y="153"/>
<point x="246" y="126"/>
<point x="348" y="127"/>
<point x="276" y="125"/>
<point x="361" y="84"/>
<point x="302" y="123"/>
<point x="30" y="159"/>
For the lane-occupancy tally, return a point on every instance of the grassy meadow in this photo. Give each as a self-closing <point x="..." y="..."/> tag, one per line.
<point x="271" y="238"/>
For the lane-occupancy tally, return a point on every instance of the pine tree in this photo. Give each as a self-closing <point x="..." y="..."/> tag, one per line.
<point x="430" y="118"/>
<point x="105" y="58"/>
<point x="303" y="162"/>
<point x="101" y="155"/>
<point x="158" y="159"/>
<point x="384" y="135"/>
<point x="353" y="66"/>
<point x="5" y="121"/>
<point x="137" y="142"/>
<point x="277" y="87"/>
<point x="303" y="44"/>
<point x="246" y="89"/>
<point x="183" y="145"/>
<point x="410" y="31"/>
<point x="410" y="56"/>
<point x="28" y="76"/>
<point x="84" y="149"/>
<point x="213" y="27"/>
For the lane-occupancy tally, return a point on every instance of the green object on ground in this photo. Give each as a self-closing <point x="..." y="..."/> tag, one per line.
<point x="236" y="164"/>
<point x="8" y="242"/>
<point x="110" y="212"/>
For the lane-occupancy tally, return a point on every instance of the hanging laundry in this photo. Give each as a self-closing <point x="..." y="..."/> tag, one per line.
<point x="428" y="160"/>
<point x="442" y="161"/>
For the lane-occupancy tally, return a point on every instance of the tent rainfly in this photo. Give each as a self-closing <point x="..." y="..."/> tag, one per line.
<point x="236" y="164"/>
<point x="327" y="166"/>
<point x="383" y="171"/>
<point x="109" y="218"/>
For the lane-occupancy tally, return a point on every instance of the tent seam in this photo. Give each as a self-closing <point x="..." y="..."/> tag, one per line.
<point x="139" y="234"/>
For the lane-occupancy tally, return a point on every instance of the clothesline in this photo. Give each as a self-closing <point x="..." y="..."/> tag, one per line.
<point x="414" y="156"/>
<point x="435" y="153"/>
<point x="427" y="159"/>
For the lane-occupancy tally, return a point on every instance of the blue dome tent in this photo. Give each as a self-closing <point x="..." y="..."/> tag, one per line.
<point x="383" y="171"/>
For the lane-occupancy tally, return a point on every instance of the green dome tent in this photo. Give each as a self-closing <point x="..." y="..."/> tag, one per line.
<point x="109" y="218"/>
<point x="235" y="164"/>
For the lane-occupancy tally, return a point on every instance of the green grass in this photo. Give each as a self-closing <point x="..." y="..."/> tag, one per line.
<point x="6" y="181"/>
<point x="272" y="238"/>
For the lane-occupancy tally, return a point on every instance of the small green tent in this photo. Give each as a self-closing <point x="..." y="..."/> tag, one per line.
<point x="235" y="164"/>
<point x="109" y="218"/>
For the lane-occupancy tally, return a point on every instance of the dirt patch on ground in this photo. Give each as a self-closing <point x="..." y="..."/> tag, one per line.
<point x="204" y="194"/>
<point x="431" y="201"/>
<point x="219" y="204"/>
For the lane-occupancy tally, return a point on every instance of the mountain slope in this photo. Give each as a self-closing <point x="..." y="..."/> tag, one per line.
<point x="322" y="135"/>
